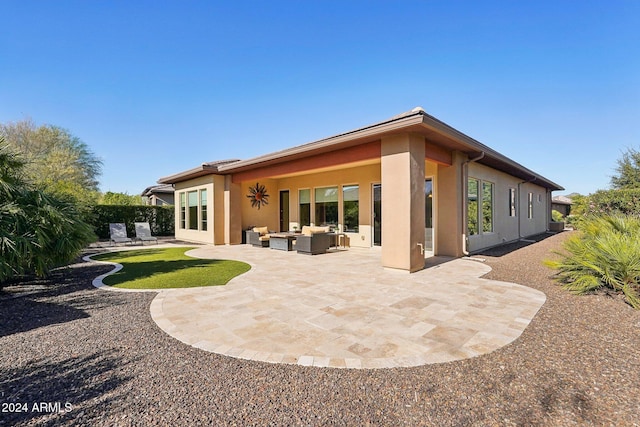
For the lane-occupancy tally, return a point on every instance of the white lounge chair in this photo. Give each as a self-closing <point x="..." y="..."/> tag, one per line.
<point x="118" y="233"/>
<point x="143" y="233"/>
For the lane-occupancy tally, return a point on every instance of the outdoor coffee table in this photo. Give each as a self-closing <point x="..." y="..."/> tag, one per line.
<point x="282" y="241"/>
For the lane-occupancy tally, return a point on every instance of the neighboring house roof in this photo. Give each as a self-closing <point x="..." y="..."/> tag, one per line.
<point x="416" y="120"/>
<point x="561" y="200"/>
<point x="154" y="189"/>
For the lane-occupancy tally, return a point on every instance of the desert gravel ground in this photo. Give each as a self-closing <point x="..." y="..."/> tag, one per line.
<point x="64" y="342"/>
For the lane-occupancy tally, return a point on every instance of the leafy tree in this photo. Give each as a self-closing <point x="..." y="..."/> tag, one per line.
<point x="59" y="162"/>
<point x="579" y="204"/>
<point x="628" y="171"/>
<point x="122" y="199"/>
<point x="37" y="230"/>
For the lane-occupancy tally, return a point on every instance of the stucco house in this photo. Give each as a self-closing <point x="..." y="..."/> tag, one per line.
<point x="562" y="204"/>
<point x="410" y="185"/>
<point x="158" y="195"/>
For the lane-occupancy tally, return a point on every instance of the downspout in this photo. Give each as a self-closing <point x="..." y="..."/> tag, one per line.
<point x="465" y="201"/>
<point x="548" y="209"/>
<point x="520" y="205"/>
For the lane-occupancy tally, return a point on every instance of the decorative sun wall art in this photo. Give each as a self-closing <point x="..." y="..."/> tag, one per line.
<point x="258" y="196"/>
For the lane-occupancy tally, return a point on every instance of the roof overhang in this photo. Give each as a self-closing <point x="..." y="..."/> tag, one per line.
<point x="202" y="170"/>
<point x="415" y="121"/>
<point x="345" y="140"/>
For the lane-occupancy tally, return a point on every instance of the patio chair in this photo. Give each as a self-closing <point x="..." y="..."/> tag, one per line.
<point x="258" y="237"/>
<point x="143" y="233"/>
<point x="118" y="232"/>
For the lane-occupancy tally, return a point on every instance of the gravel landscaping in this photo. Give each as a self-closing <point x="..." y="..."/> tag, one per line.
<point x="96" y="358"/>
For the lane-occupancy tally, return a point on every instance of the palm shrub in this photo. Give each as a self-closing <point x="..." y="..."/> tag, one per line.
<point x="37" y="231"/>
<point x="605" y="254"/>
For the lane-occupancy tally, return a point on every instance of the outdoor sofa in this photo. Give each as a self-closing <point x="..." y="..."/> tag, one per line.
<point x="314" y="240"/>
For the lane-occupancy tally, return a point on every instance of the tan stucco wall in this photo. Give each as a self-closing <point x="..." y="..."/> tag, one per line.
<point x="505" y="227"/>
<point x="232" y="212"/>
<point x="449" y="208"/>
<point x="363" y="176"/>
<point x="218" y="210"/>
<point x="401" y="171"/>
<point x="206" y="182"/>
<point x="540" y="221"/>
<point x="267" y="215"/>
<point x="403" y="174"/>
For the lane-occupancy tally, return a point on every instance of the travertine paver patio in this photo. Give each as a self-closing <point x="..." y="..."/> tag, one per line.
<point x="342" y="309"/>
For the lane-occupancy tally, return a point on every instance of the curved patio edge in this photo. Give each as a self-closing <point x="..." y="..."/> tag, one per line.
<point x="326" y="311"/>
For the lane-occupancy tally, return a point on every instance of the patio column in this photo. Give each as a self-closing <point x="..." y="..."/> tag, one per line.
<point x="451" y="195"/>
<point x="232" y="212"/>
<point x="219" y="210"/>
<point x="403" y="208"/>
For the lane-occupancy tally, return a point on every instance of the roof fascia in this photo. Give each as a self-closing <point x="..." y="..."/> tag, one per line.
<point x="477" y="146"/>
<point x="201" y="170"/>
<point x="362" y="133"/>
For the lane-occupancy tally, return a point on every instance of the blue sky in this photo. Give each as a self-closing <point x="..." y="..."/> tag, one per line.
<point x="157" y="87"/>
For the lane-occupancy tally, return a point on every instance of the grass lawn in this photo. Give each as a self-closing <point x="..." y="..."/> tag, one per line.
<point x="169" y="268"/>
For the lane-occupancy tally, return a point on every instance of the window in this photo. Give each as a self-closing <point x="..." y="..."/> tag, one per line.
<point x="512" y="202"/>
<point x="487" y="207"/>
<point x="183" y="210"/>
<point x="472" y="206"/>
<point x="193" y="209"/>
<point x="304" y="201"/>
<point x="350" y="208"/>
<point x="326" y="202"/>
<point x="479" y="206"/>
<point x="530" y="213"/>
<point x="203" y="210"/>
<point x="428" y="203"/>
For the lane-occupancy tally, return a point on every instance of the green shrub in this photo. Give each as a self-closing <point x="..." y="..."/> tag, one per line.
<point x="606" y="253"/>
<point x="557" y="216"/>
<point x="37" y="230"/>
<point x="574" y="221"/>
<point x="160" y="218"/>
<point x="608" y="202"/>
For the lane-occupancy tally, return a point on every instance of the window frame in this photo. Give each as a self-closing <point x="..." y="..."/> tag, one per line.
<point x="491" y="221"/>
<point x="203" y="208"/>
<point x="479" y="219"/>
<point x="513" y="212"/>
<point x="473" y="219"/>
<point x="192" y="220"/>
<point x="356" y="203"/>
<point x="306" y="205"/>
<point x="183" y="210"/>
<point x="327" y="206"/>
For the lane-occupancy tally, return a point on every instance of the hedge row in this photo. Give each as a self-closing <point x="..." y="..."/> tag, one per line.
<point x="160" y="218"/>
<point x="614" y="201"/>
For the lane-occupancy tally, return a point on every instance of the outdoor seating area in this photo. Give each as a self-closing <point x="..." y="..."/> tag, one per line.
<point x="118" y="233"/>
<point x="311" y="240"/>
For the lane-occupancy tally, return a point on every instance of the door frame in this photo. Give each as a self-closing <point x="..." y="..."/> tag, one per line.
<point x="284" y="225"/>
<point x="373" y="222"/>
